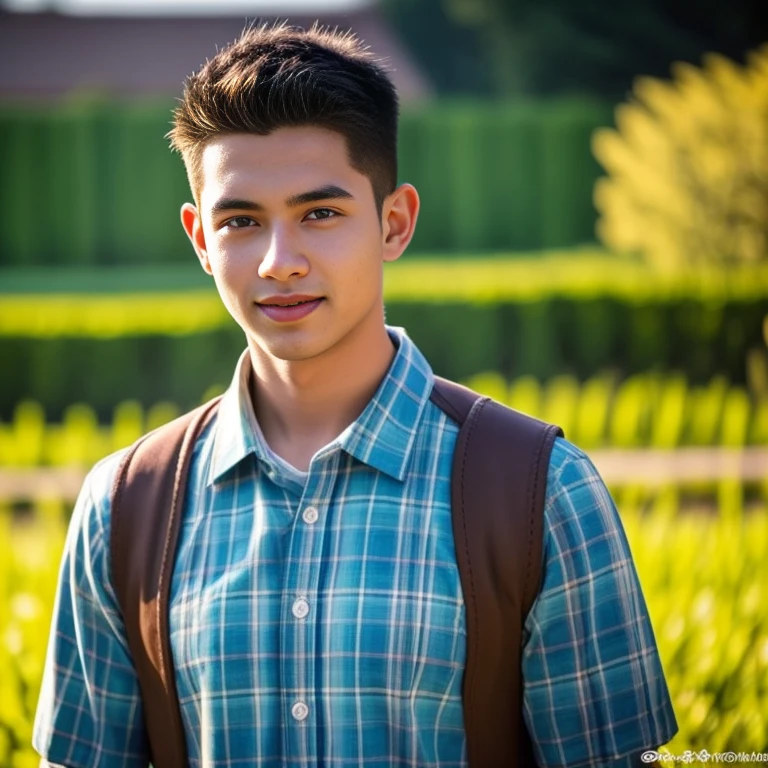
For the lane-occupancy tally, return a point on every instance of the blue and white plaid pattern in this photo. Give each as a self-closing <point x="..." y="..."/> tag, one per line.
<point x="317" y="618"/>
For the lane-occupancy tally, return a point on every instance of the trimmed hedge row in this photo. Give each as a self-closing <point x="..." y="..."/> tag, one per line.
<point x="575" y="273"/>
<point x="97" y="184"/>
<point x="541" y="340"/>
<point x="576" y="314"/>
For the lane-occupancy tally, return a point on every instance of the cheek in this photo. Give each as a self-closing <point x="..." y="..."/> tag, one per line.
<point x="360" y="250"/>
<point x="228" y="260"/>
<point x="230" y="276"/>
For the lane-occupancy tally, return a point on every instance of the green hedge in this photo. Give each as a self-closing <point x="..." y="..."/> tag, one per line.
<point x="96" y="183"/>
<point x="576" y="313"/>
<point x="704" y="578"/>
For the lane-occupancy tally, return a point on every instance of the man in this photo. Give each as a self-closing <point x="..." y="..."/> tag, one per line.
<point x="316" y="613"/>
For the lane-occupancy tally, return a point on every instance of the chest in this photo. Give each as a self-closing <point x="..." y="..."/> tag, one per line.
<point x="351" y="583"/>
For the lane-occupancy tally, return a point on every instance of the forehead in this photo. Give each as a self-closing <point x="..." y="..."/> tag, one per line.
<point x="284" y="162"/>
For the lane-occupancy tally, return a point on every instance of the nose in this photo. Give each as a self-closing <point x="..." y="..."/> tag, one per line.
<point x="283" y="259"/>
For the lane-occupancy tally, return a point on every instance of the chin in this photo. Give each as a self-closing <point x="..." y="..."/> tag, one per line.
<point x="293" y="350"/>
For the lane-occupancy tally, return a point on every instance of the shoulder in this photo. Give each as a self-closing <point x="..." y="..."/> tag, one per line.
<point x="584" y="543"/>
<point x="92" y="510"/>
<point x="102" y="474"/>
<point x="569" y="465"/>
<point x="99" y="483"/>
<point x="576" y="493"/>
<point x="590" y="653"/>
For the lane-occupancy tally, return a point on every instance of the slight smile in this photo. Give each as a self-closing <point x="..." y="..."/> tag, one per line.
<point x="285" y="309"/>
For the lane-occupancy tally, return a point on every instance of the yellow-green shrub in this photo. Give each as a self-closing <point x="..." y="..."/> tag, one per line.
<point x="643" y="411"/>
<point x="688" y="166"/>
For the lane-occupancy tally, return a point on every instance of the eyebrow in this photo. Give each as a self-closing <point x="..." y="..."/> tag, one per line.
<point x="327" y="192"/>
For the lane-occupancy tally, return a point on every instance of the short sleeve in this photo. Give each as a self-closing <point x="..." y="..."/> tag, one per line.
<point x="89" y="713"/>
<point x="594" y="688"/>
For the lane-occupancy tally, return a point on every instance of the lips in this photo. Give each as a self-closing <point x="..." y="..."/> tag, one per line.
<point x="288" y="300"/>
<point x="283" y="309"/>
<point x="294" y="304"/>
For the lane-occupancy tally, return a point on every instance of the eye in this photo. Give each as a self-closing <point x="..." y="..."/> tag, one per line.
<point x="239" y="222"/>
<point x="321" y="213"/>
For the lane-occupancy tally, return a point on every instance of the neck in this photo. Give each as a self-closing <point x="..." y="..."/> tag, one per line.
<point x="303" y="405"/>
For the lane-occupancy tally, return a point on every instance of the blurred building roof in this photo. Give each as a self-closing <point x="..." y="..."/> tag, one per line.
<point x="44" y="56"/>
<point x="182" y="7"/>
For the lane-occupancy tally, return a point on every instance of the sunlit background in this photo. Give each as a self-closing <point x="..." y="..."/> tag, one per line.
<point x="592" y="249"/>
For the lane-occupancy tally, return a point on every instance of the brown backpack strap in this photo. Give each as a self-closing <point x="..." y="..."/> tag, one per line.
<point x="147" y="503"/>
<point x="498" y="488"/>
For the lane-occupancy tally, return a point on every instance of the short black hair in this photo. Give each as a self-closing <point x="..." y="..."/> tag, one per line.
<point x="277" y="76"/>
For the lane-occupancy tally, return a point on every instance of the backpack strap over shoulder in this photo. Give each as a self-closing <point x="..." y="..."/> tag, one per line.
<point x="146" y="502"/>
<point x="498" y="489"/>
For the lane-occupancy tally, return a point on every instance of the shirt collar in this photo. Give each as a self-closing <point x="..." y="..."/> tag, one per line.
<point x="235" y="436"/>
<point x="382" y="436"/>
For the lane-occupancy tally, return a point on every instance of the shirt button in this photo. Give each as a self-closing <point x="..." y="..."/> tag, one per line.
<point x="300" y="608"/>
<point x="299" y="711"/>
<point x="310" y="515"/>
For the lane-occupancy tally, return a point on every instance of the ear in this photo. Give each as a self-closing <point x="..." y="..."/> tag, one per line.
<point x="398" y="220"/>
<point x="190" y="220"/>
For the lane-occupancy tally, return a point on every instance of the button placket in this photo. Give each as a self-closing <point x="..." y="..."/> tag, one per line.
<point x="298" y="591"/>
<point x="302" y="577"/>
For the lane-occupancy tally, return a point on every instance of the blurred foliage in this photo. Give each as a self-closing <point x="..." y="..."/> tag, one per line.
<point x="109" y="316"/>
<point x="103" y="336"/>
<point x="704" y="577"/>
<point x="644" y="411"/>
<point x="79" y="440"/>
<point x="450" y="55"/>
<point x="100" y="309"/>
<point x="94" y="183"/>
<point x="29" y="569"/>
<point x="705" y="580"/>
<point x="688" y="165"/>
<point x="533" y="47"/>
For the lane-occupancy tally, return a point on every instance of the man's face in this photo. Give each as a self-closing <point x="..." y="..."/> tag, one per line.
<point x="284" y="218"/>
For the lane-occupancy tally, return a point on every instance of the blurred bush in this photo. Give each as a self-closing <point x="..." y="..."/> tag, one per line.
<point x="688" y="165"/>
<point x="572" y="313"/>
<point x="95" y="183"/>
<point x="29" y="569"/>
<point x="704" y="578"/>
<point x="645" y="411"/>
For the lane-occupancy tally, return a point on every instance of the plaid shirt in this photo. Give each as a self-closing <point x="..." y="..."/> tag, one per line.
<point x="317" y="618"/>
